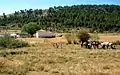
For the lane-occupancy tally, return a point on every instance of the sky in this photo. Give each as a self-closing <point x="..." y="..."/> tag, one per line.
<point x="10" y="6"/>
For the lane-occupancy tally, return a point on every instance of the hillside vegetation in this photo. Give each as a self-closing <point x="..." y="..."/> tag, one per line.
<point x="96" y="17"/>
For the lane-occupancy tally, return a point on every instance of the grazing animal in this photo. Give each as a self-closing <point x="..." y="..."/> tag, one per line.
<point x="90" y="44"/>
<point x="110" y="45"/>
<point x="107" y="45"/>
<point x="84" y="44"/>
<point x="13" y="35"/>
<point x="95" y="44"/>
<point x="58" y="43"/>
<point x="103" y="45"/>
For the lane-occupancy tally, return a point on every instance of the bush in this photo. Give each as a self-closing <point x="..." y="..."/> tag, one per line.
<point x="116" y="42"/>
<point x="95" y="36"/>
<point x="83" y="36"/>
<point x="69" y="38"/>
<point x="72" y="38"/>
<point x="7" y="42"/>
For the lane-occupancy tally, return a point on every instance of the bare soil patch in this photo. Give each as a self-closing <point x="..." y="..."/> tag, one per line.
<point x="7" y="62"/>
<point x="109" y="38"/>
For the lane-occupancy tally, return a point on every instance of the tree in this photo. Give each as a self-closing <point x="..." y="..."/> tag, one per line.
<point x="4" y="16"/>
<point x="30" y="28"/>
<point x="99" y="18"/>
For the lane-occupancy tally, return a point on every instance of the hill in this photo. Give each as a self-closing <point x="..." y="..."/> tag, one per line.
<point x="96" y="17"/>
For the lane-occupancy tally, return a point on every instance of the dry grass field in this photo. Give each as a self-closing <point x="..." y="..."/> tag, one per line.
<point x="103" y="37"/>
<point x="109" y="37"/>
<point x="47" y="60"/>
<point x="44" y="59"/>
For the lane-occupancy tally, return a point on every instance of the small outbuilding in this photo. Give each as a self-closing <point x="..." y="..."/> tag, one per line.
<point x="44" y="34"/>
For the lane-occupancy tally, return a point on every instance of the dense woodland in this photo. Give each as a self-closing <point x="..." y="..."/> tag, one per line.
<point x="96" y="17"/>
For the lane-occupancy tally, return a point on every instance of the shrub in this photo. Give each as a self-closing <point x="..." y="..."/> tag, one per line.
<point x="95" y="36"/>
<point x="116" y="42"/>
<point x="72" y="38"/>
<point x="83" y="36"/>
<point x="76" y="37"/>
<point x="68" y="38"/>
<point x="7" y="42"/>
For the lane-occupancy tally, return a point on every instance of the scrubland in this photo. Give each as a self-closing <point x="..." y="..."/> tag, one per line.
<point x="44" y="59"/>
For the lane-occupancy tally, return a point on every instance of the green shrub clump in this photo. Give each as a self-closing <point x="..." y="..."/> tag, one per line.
<point x="7" y="42"/>
<point x="83" y="36"/>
